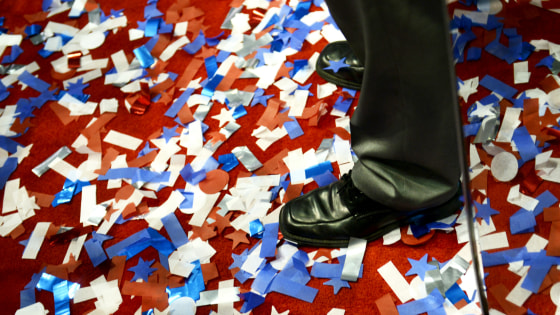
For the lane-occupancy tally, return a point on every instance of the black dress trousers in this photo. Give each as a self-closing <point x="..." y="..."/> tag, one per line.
<point x="404" y="128"/>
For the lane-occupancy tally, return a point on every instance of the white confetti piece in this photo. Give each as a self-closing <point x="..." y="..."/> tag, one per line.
<point x="122" y="140"/>
<point x="36" y="240"/>
<point x="494" y="241"/>
<point x="75" y="248"/>
<point x="504" y="166"/>
<point x="517" y="198"/>
<point x="396" y="281"/>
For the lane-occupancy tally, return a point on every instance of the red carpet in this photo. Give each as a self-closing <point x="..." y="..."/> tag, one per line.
<point x="44" y="125"/>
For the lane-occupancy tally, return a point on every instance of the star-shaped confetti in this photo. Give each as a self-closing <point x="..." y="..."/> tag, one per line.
<point x="147" y="149"/>
<point x="273" y="311"/>
<point x="117" y="13"/>
<point x="238" y="260"/>
<point x="169" y="133"/>
<point x="77" y="88"/>
<point x="323" y="252"/>
<point x="222" y="222"/>
<point x="336" y="65"/>
<point x="419" y="267"/>
<point x="204" y="232"/>
<point x="22" y="152"/>
<point x="260" y="98"/>
<point x="24" y="111"/>
<point x="237" y="237"/>
<point x="337" y="284"/>
<point x="142" y="270"/>
<point x="484" y="211"/>
<point x="482" y="110"/>
<point x="467" y="88"/>
<point x="224" y="116"/>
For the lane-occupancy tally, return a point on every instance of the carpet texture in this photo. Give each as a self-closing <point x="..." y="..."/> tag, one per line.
<point x="160" y="106"/>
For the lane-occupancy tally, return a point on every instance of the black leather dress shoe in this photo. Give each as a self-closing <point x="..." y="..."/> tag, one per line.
<point x="330" y="215"/>
<point x="348" y="77"/>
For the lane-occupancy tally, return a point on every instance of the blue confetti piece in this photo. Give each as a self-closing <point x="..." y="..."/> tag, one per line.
<point x="324" y="270"/>
<point x="94" y="248"/>
<point x="318" y="169"/>
<point x="419" y="267"/>
<point x="143" y="55"/>
<point x="8" y="144"/>
<point x="33" y="82"/>
<point x="546" y="62"/>
<point x="337" y="284"/>
<point x="456" y="294"/>
<point x="175" y="230"/>
<point x="256" y="228"/>
<point x="45" y="53"/>
<point x="121" y="247"/>
<point x="152" y="26"/>
<point x="229" y="161"/>
<point x="325" y="179"/>
<point x="527" y="148"/>
<point x="546" y="199"/>
<point x="193" y="47"/>
<point x="151" y="11"/>
<point x="239" y="112"/>
<point x="212" y="84"/>
<point x="179" y="103"/>
<point x="343" y="104"/>
<point x="192" y="177"/>
<point x="242" y="276"/>
<point x="294" y="289"/>
<point x="424" y="305"/>
<point x="419" y="230"/>
<point x="269" y="240"/>
<point x="33" y="29"/>
<point x="474" y="53"/>
<point x="222" y="56"/>
<point x="211" y="64"/>
<point x="484" y="211"/>
<point x="522" y="221"/>
<point x="14" y="54"/>
<point x="46" y="5"/>
<point x="503" y="257"/>
<point x="61" y="298"/>
<point x="160" y="243"/>
<point x="263" y="279"/>
<point x="213" y="41"/>
<point x="293" y="128"/>
<point x="27" y="297"/>
<point x="535" y="277"/>
<point x="252" y="300"/>
<point x="142" y="270"/>
<point x="7" y="169"/>
<point x="498" y="86"/>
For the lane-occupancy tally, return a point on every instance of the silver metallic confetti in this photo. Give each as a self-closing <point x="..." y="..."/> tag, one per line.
<point x="488" y="129"/>
<point x="42" y="168"/>
<point x="246" y="157"/>
<point x="354" y="258"/>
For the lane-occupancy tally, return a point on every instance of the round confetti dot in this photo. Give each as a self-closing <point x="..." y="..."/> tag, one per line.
<point x="182" y="306"/>
<point x="554" y="98"/>
<point x="215" y="181"/>
<point x="92" y="40"/>
<point x="555" y="294"/>
<point x="409" y="239"/>
<point x="504" y="166"/>
<point x="490" y="6"/>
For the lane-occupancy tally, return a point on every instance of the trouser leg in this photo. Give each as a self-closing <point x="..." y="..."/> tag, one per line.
<point x="403" y="130"/>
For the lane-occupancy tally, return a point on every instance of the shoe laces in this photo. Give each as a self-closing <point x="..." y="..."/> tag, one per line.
<point x="350" y="194"/>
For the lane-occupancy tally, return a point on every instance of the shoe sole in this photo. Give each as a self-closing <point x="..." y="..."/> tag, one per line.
<point x="422" y="217"/>
<point x="336" y="80"/>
